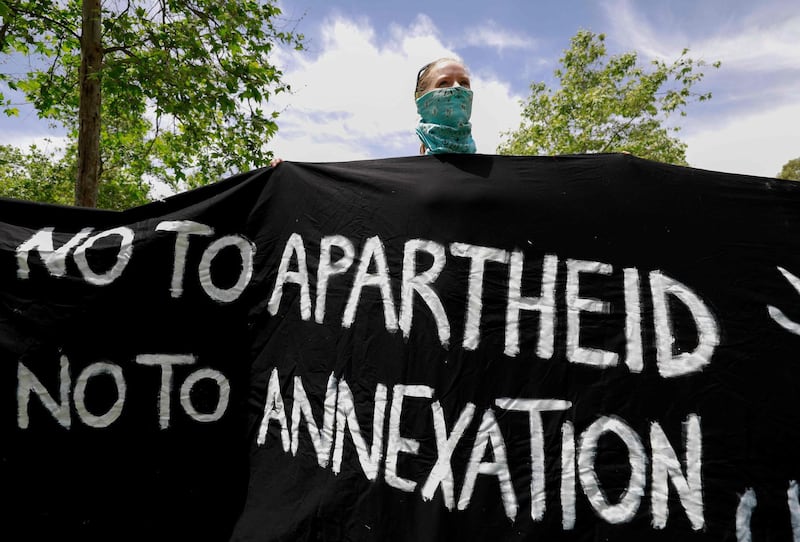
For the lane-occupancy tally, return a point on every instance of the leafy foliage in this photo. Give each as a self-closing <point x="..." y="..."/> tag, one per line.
<point x="48" y="176"/>
<point x="35" y="175"/>
<point x="608" y="104"/>
<point x="184" y="83"/>
<point x="790" y="170"/>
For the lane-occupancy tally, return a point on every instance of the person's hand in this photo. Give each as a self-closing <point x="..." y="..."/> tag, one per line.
<point x="275" y="161"/>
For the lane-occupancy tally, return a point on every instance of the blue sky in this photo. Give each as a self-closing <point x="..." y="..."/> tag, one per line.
<point x="352" y="88"/>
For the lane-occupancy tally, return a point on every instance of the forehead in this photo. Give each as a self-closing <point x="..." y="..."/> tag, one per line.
<point x="449" y="68"/>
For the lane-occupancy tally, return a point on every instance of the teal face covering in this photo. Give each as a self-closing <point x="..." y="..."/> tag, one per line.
<point x="444" y="124"/>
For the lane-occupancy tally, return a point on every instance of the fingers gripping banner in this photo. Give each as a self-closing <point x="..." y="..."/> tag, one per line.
<point x="429" y="348"/>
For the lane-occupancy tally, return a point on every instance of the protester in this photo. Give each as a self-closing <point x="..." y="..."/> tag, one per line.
<point x="444" y="103"/>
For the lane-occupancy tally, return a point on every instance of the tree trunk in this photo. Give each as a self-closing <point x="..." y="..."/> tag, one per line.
<point x="88" y="177"/>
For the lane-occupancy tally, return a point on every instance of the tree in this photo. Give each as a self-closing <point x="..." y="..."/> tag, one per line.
<point x="608" y="104"/>
<point x="790" y="170"/>
<point x="168" y="89"/>
<point x="35" y="175"/>
<point x="48" y="176"/>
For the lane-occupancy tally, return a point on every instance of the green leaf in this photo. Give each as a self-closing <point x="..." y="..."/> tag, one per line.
<point x="190" y="63"/>
<point x="607" y="104"/>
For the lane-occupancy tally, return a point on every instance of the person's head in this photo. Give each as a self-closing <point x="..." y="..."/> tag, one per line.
<point x="442" y="73"/>
<point x="444" y="103"/>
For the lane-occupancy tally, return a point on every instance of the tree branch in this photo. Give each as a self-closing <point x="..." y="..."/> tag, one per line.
<point x="3" y="32"/>
<point x="617" y="132"/>
<point x="34" y="15"/>
<point x="120" y="49"/>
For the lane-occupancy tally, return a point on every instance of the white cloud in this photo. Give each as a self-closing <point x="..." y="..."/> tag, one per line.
<point x="354" y="99"/>
<point x="492" y="35"/>
<point x="766" y="40"/>
<point x="770" y="47"/>
<point x="755" y="144"/>
<point x="46" y="142"/>
<point x="750" y="127"/>
<point x="495" y="110"/>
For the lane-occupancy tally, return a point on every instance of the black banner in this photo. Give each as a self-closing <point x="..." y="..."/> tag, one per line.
<point x="459" y="347"/>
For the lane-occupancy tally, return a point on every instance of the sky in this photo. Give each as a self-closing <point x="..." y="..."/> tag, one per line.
<point x="352" y="88"/>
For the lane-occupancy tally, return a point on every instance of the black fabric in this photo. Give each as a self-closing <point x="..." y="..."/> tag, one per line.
<point x="705" y="262"/>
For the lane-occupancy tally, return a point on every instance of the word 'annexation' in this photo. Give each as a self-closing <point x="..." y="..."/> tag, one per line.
<point x="339" y="417"/>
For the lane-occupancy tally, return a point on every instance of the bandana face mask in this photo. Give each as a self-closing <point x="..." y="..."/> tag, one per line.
<point x="444" y="125"/>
